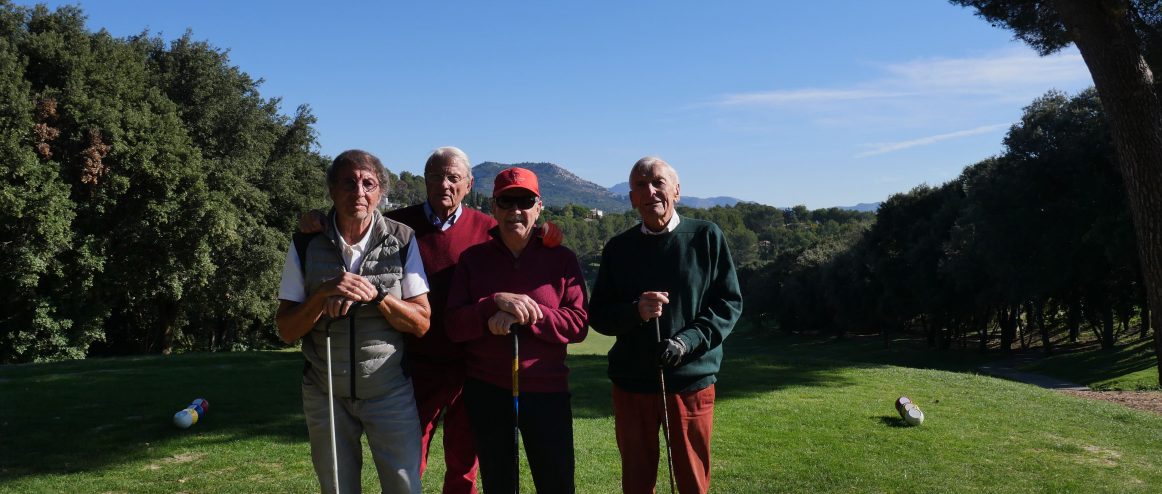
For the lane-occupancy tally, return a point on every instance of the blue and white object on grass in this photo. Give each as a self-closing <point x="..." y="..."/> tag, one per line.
<point x="188" y="417"/>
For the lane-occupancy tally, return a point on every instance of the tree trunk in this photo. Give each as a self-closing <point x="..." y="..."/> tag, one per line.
<point x="1155" y="316"/>
<point x="1007" y="318"/>
<point x="162" y="338"/>
<point x="1037" y="324"/>
<point x="1019" y="328"/>
<point x="1124" y="320"/>
<point x="1074" y="321"/>
<point x="1104" y="35"/>
<point x="1145" y="321"/>
<point x="982" y="325"/>
<point x="1107" y="328"/>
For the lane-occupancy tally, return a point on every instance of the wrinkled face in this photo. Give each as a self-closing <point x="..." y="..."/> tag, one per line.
<point x="448" y="184"/>
<point x="516" y="213"/>
<point x="654" y="193"/>
<point x="356" y="194"/>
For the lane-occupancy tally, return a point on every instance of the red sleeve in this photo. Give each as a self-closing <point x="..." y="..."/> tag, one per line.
<point x="464" y="319"/>
<point x="568" y="322"/>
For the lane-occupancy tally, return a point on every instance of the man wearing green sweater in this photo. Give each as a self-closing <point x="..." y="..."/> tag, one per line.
<point x="672" y="276"/>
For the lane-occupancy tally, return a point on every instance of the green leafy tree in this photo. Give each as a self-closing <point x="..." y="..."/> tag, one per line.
<point x="1120" y="43"/>
<point x="151" y="192"/>
<point x="35" y="216"/>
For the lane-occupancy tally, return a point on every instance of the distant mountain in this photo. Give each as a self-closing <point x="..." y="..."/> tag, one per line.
<point x="863" y="207"/>
<point x="622" y="190"/>
<point x="709" y="202"/>
<point x="558" y="186"/>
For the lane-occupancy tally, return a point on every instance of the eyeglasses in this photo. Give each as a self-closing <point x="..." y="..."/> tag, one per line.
<point x="522" y="202"/>
<point x="367" y="184"/>
<point x="436" y="178"/>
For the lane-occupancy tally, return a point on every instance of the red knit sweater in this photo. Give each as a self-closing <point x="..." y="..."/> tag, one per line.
<point x="551" y="277"/>
<point x="440" y="251"/>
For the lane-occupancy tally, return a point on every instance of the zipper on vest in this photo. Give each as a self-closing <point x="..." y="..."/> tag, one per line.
<point x="352" y="345"/>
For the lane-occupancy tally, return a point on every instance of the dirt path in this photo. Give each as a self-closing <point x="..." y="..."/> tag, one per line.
<point x="1150" y="401"/>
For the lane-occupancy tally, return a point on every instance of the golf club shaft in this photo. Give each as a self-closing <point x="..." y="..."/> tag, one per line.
<point x="665" y="408"/>
<point x="331" y="413"/>
<point x="515" y="408"/>
<point x="331" y="396"/>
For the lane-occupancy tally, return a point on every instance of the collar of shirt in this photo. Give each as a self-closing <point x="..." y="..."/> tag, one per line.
<point x="353" y="253"/>
<point x="435" y="220"/>
<point x="670" y="226"/>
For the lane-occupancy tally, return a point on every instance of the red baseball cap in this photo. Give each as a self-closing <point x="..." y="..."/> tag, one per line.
<point x="516" y="178"/>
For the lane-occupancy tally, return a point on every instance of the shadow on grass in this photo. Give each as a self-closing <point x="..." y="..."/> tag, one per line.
<point x="757" y="362"/>
<point x="83" y="416"/>
<point x="889" y="421"/>
<point x="87" y="415"/>
<point x="1095" y="366"/>
<point x="744" y="373"/>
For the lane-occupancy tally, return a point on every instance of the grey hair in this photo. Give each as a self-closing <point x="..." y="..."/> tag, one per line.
<point x="649" y="163"/>
<point x="448" y="154"/>
<point x="359" y="160"/>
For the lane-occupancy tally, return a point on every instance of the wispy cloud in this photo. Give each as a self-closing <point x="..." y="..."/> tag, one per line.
<point x="923" y="141"/>
<point x="988" y="74"/>
<point x="804" y="96"/>
<point x="1006" y="75"/>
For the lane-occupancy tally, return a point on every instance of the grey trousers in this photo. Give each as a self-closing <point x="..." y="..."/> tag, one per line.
<point x="393" y="434"/>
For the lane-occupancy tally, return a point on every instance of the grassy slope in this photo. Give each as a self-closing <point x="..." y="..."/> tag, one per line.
<point x="792" y="416"/>
<point x="1129" y="366"/>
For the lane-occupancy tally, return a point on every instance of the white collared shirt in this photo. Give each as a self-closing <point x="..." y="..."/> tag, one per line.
<point x="670" y="226"/>
<point x="293" y="286"/>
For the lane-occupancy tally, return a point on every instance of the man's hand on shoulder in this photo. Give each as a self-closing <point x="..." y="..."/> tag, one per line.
<point x="551" y="235"/>
<point x="312" y="221"/>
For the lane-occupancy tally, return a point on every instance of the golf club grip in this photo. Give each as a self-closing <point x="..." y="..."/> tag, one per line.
<point x="515" y="369"/>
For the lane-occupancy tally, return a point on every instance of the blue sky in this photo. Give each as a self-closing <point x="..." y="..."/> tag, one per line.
<point x="827" y="103"/>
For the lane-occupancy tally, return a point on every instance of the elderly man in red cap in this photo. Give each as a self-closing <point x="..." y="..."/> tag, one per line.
<point x="519" y="291"/>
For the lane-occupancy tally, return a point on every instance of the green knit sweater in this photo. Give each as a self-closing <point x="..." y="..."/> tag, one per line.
<point x="693" y="264"/>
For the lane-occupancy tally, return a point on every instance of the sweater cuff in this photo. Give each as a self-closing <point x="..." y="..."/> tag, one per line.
<point x="684" y="337"/>
<point x="633" y="314"/>
<point x="485" y="308"/>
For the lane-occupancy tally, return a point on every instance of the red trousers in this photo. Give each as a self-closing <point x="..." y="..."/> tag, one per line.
<point x="638" y="417"/>
<point x="439" y="388"/>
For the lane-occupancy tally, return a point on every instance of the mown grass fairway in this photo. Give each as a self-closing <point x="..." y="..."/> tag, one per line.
<point x="793" y="415"/>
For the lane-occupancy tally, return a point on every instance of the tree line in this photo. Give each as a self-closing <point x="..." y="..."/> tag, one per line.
<point x="150" y="192"/>
<point x="1036" y="240"/>
<point x="1121" y="44"/>
<point x="147" y="194"/>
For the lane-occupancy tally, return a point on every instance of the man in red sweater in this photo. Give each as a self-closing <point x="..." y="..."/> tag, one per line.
<point x="519" y="278"/>
<point x="444" y="229"/>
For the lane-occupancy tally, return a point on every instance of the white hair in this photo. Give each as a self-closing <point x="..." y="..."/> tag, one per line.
<point x="650" y="164"/>
<point x="448" y="154"/>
